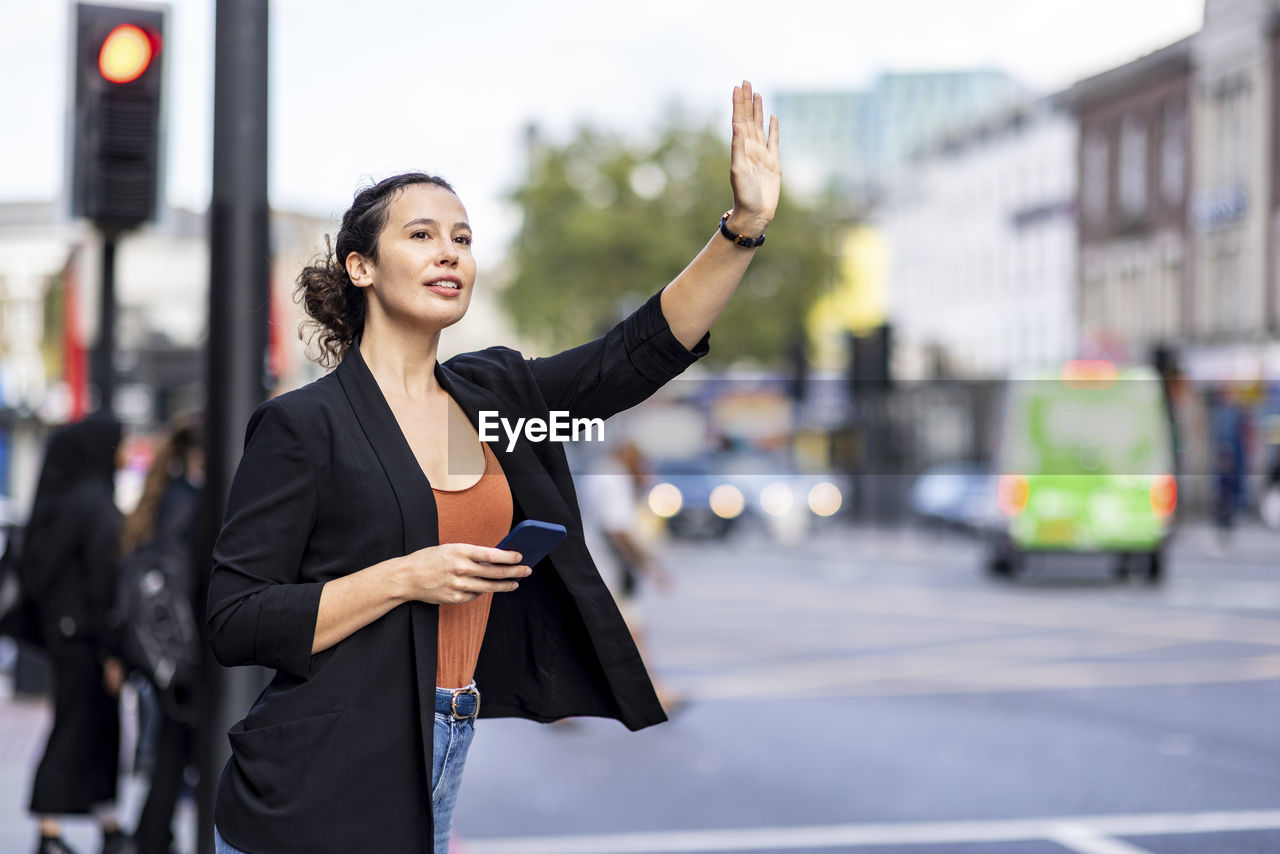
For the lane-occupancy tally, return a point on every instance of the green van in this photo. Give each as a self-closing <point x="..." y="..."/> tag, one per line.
<point x="1085" y="465"/>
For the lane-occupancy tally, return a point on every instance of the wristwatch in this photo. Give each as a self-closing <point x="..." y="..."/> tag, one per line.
<point x="740" y="239"/>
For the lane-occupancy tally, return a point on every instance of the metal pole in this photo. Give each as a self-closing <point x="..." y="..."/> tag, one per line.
<point x="236" y="370"/>
<point x="103" y="358"/>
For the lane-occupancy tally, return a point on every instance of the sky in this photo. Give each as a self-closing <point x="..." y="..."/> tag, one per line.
<point x="360" y="90"/>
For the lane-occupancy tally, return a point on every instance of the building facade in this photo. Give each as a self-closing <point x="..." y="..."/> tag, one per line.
<point x="1135" y="164"/>
<point x="981" y="238"/>
<point x="1234" y="324"/>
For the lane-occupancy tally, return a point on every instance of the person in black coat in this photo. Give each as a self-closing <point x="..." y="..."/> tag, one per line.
<point x="69" y="567"/>
<point x="169" y="507"/>
<point x="334" y="564"/>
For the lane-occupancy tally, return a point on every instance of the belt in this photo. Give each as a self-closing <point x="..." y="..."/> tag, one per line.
<point x="462" y="703"/>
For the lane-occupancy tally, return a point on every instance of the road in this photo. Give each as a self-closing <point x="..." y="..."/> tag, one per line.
<point x="874" y="692"/>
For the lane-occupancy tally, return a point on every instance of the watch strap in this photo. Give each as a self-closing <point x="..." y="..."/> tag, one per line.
<point x="740" y="239"/>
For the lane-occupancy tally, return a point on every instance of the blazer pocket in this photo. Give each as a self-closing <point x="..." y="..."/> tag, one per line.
<point x="286" y="766"/>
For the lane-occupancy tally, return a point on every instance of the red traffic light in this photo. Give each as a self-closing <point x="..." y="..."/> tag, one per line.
<point x="126" y="54"/>
<point x="115" y="126"/>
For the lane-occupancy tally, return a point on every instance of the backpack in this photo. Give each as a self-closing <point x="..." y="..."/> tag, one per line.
<point x="156" y="628"/>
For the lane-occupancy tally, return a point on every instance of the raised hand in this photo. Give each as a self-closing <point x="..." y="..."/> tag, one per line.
<point x="754" y="171"/>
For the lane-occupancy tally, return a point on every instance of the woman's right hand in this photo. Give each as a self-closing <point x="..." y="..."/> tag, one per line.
<point x="454" y="573"/>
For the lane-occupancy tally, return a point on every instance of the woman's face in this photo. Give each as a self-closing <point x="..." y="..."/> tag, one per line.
<point x="425" y="270"/>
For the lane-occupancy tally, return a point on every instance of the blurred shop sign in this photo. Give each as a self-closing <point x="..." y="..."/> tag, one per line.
<point x="1035" y="215"/>
<point x="1223" y="206"/>
<point x="762" y="416"/>
<point x="1234" y="363"/>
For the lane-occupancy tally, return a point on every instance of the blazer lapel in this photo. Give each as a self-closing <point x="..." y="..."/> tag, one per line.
<point x="413" y="492"/>
<point x="419" y="521"/>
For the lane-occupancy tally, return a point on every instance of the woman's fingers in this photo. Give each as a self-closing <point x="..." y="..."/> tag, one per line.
<point x="773" y="134"/>
<point x="484" y="554"/>
<point x="469" y="582"/>
<point x="480" y="569"/>
<point x="491" y="578"/>
<point x="748" y="113"/>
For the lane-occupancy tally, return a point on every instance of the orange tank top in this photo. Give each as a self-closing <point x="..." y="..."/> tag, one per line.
<point x="481" y="515"/>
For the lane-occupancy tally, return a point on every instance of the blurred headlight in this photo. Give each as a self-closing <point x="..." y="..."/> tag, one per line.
<point x="776" y="499"/>
<point x="727" y="501"/>
<point x="825" y="499"/>
<point x="665" y="500"/>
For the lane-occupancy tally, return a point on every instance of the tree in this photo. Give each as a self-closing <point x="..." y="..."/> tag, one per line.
<point x="607" y="225"/>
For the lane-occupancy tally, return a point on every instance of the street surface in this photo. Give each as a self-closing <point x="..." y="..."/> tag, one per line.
<point x="874" y="692"/>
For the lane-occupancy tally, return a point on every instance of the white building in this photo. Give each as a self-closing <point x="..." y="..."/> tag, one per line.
<point x="982" y="245"/>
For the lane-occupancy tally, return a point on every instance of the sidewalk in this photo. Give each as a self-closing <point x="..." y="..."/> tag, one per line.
<point x="24" y="725"/>
<point x="1249" y="541"/>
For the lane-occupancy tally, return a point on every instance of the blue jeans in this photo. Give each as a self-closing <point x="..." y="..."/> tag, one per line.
<point x="452" y="739"/>
<point x="222" y="846"/>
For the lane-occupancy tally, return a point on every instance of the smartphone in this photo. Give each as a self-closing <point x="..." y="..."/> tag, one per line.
<point x="533" y="539"/>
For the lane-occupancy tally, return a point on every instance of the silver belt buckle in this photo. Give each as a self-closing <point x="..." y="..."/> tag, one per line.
<point x="453" y="703"/>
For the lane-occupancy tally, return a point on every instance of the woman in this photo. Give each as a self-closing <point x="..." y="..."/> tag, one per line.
<point x="70" y="569"/>
<point x="356" y="556"/>
<point x="169" y="507"/>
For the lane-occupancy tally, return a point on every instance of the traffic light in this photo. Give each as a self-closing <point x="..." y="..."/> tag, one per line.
<point x="117" y="71"/>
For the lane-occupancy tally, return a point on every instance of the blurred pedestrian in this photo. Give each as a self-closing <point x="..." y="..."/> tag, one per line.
<point x="69" y="566"/>
<point x="169" y="507"/>
<point x="614" y="488"/>
<point x="1229" y="464"/>
<point x="357" y="556"/>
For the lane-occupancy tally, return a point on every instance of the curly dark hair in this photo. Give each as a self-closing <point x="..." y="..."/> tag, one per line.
<point x="335" y="307"/>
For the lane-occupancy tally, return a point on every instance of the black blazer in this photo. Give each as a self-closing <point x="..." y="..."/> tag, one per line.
<point x="335" y="755"/>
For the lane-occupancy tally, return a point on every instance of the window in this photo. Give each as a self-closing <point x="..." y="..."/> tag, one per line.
<point x="1231" y="104"/>
<point x="1173" y="152"/>
<point x="1094" y="183"/>
<point x="1133" y="165"/>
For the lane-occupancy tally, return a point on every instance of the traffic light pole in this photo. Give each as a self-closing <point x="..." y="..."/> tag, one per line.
<point x="239" y="251"/>
<point x="104" y="368"/>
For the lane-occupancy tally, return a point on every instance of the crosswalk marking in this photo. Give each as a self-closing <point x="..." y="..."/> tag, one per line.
<point x="1083" y="840"/>
<point x="1084" y="834"/>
